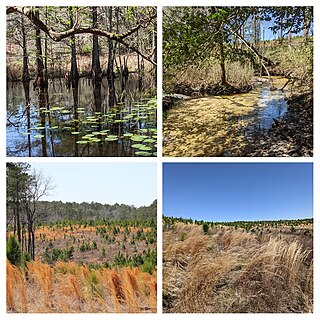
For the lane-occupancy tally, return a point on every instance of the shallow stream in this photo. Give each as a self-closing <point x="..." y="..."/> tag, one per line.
<point x="222" y="125"/>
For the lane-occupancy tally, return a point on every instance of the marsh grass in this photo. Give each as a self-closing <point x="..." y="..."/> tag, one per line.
<point x="235" y="271"/>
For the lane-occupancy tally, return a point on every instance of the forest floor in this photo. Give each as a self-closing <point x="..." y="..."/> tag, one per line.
<point x="229" y="270"/>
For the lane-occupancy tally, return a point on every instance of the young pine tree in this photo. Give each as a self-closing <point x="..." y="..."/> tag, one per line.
<point x="13" y="251"/>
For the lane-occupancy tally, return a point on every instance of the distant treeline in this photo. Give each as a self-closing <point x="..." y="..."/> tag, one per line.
<point x="54" y="211"/>
<point x="242" y="224"/>
<point x="58" y="211"/>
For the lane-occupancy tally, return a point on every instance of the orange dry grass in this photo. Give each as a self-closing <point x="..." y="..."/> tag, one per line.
<point x="68" y="287"/>
<point x="234" y="271"/>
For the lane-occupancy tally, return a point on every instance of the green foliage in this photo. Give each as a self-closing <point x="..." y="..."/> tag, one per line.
<point x="24" y="259"/>
<point x="182" y="236"/>
<point x="13" y="251"/>
<point x="205" y="227"/>
<point x="52" y="255"/>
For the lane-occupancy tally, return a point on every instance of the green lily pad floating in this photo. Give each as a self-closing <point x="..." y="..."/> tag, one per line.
<point x="54" y="127"/>
<point x="149" y="140"/>
<point x="137" y="146"/>
<point x="75" y="132"/>
<point x="65" y="111"/>
<point x="155" y="154"/>
<point x="145" y="148"/>
<point x="39" y="136"/>
<point x="111" y="138"/>
<point x="128" y="135"/>
<point x="143" y="153"/>
<point x="37" y="128"/>
<point x="26" y="133"/>
<point x="138" y="138"/>
<point x="82" y="142"/>
<point x="86" y="137"/>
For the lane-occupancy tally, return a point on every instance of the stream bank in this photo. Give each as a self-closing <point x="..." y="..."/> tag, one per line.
<point x="292" y="134"/>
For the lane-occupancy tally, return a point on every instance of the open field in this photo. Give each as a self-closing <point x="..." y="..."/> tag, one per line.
<point x="90" y="267"/>
<point x="252" y="267"/>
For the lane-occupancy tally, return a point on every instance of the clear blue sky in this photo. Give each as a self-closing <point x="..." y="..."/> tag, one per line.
<point x="238" y="191"/>
<point x="107" y="183"/>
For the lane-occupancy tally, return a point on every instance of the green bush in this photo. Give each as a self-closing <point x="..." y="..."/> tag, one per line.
<point x="147" y="266"/>
<point x="25" y="258"/>
<point x="13" y="251"/>
<point x="205" y="227"/>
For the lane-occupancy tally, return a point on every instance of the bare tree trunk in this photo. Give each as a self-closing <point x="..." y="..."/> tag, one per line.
<point x="96" y="69"/>
<point x="222" y="60"/>
<point x="306" y="23"/>
<point x="110" y="68"/>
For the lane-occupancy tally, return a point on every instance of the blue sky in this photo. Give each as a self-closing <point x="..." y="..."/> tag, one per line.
<point x="238" y="191"/>
<point x="127" y="183"/>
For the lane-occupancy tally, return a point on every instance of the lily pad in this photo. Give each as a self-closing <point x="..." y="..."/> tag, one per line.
<point x="145" y="148"/>
<point x="111" y="138"/>
<point x="143" y="153"/>
<point x="137" y="146"/>
<point x="39" y="136"/>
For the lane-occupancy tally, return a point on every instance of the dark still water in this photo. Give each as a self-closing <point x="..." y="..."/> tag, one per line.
<point x="88" y="127"/>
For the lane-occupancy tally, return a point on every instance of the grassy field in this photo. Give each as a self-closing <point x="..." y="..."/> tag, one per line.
<point x="252" y="267"/>
<point x="69" y="287"/>
<point x="87" y="267"/>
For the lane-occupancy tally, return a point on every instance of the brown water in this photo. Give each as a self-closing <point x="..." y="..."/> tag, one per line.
<point x="222" y="125"/>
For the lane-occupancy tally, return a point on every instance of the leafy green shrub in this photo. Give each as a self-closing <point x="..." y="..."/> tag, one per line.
<point x="25" y="258"/>
<point x="147" y="266"/>
<point x="205" y="227"/>
<point x="13" y="251"/>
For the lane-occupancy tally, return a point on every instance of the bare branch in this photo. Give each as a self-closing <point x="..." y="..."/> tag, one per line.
<point x="58" y="36"/>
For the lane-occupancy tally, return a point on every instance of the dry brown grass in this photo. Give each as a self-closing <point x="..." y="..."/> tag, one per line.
<point x="234" y="271"/>
<point x="210" y="74"/>
<point x="68" y="287"/>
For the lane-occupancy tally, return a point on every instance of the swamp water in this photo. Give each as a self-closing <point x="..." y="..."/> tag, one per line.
<point x="222" y="125"/>
<point x="92" y="128"/>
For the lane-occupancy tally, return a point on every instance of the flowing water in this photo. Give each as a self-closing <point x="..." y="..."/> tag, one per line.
<point x="88" y="128"/>
<point x="222" y="125"/>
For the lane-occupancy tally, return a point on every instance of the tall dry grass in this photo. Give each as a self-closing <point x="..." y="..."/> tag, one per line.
<point x="210" y="74"/>
<point x="234" y="271"/>
<point x="68" y="287"/>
